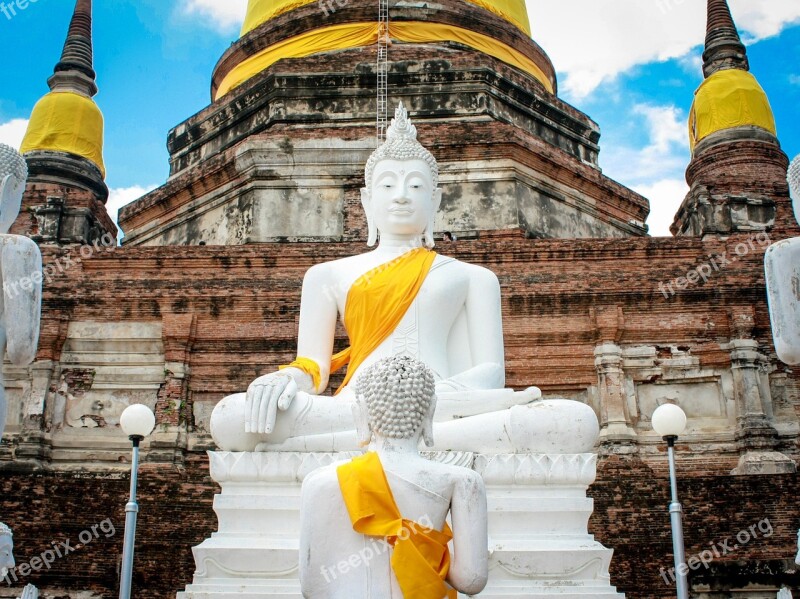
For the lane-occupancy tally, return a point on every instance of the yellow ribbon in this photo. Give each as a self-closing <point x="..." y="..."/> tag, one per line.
<point x="376" y="303"/>
<point x="356" y="35"/>
<point x="309" y="366"/>
<point x="421" y="559"/>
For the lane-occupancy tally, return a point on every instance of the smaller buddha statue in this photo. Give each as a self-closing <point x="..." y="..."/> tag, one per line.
<point x="21" y="273"/>
<point x="376" y="526"/>
<point x="6" y="550"/>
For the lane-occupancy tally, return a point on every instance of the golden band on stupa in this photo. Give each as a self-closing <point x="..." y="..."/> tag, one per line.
<point x="343" y="36"/>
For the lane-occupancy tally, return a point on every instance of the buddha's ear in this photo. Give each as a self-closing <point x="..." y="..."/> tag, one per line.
<point x="437" y="200"/>
<point x="428" y="235"/>
<point x="372" y="230"/>
<point x="363" y="434"/>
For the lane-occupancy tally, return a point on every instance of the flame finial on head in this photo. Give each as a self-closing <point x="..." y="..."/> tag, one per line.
<point x="401" y="125"/>
<point x="401" y="144"/>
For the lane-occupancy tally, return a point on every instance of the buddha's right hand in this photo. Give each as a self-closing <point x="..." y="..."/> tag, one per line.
<point x="265" y="396"/>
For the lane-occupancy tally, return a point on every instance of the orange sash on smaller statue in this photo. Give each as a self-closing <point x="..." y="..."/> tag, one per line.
<point x="421" y="559"/>
<point x="376" y="303"/>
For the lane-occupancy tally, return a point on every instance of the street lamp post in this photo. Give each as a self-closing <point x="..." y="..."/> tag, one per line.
<point x="137" y="421"/>
<point x="669" y="421"/>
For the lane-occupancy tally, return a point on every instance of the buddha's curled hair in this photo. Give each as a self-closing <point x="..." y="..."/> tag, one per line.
<point x="398" y="393"/>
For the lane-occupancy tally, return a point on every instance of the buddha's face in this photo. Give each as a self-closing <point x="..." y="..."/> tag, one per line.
<point x="402" y="200"/>
<point x="6" y="555"/>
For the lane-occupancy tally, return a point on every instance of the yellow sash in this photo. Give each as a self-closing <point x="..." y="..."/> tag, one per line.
<point x="376" y="303"/>
<point x="421" y="559"/>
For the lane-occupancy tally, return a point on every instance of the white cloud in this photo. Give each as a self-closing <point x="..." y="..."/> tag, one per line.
<point x="122" y="196"/>
<point x="665" y="198"/>
<point x="654" y="170"/>
<point x="591" y="41"/>
<point x="666" y="149"/>
<point x="12" y="132"/>
<point x="224" y="15"/>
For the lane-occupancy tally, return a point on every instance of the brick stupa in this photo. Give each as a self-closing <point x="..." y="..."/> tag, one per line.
<point x="267" y="177"/>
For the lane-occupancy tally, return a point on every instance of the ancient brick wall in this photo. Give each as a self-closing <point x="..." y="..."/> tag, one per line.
<point x="631" y="498"/>
<point x="49" y="510"/>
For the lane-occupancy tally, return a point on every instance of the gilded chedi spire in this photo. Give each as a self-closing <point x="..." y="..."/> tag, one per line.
<point x="75" y="70"/>
<point x="724" y="48"/>
<point x="730" y="97"/>
<point x="737" y="162"/>
<point x="67" y="121"/>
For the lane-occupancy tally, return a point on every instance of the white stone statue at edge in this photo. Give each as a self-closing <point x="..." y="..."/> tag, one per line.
<point x="797" y="557"/>
<point x="6" y="550"/>
<point x="454" y="326"/>
<point x="424" y="491"/>
<point x="20" y="269"/>
<point x="782" y="263"/>
<point x="21" y="300"/>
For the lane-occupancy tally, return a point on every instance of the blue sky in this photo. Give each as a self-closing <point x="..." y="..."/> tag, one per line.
<point x="631" y="65"/>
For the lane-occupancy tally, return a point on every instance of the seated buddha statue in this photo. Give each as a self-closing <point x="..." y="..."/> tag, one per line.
<point x="400" y="299"/>
<point x="20" y="273"/>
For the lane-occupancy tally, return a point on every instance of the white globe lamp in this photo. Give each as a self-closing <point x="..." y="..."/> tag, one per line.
<point x="669" y="421"/>
<point x="137" y="421"/>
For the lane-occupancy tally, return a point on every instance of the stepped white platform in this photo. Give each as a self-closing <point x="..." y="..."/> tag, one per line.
<point x="538" y="519"/>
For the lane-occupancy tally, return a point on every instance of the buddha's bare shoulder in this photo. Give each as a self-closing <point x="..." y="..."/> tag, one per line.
<point x="18" y="241"/>
<point x="333" y="266"/>
<point x="322" y="480"/>
<point x="457" y="476"/>
<point x="327" y="273"/>
<point x="478" y="275"/>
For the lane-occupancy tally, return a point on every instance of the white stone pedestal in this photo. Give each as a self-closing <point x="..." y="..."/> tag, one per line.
<point x="538" y="517"/>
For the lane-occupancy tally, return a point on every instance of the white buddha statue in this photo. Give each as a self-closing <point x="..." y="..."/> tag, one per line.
<point x="797" y="557"/>
<point x="366" y="524"/>
<point x="782" y="263"/>
<point x="21" y="273"/>
<point x="6" y="550"/>
<point x="400" y="299"/>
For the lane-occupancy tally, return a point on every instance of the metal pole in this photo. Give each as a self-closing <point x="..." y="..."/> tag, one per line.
<point x="677" y="527"/>
<point x="131" y="511"/>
